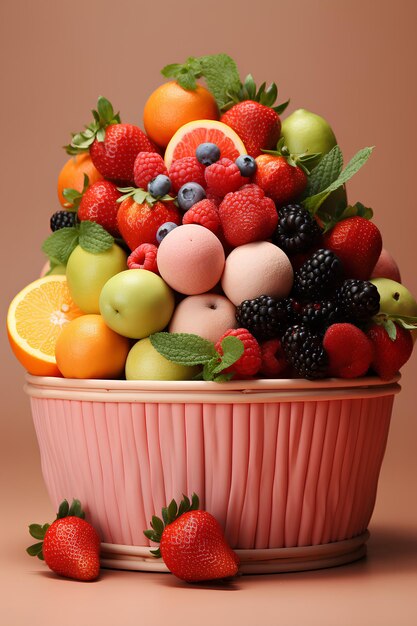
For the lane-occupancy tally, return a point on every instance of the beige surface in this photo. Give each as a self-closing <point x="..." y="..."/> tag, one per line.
<point x="352" y="62"/>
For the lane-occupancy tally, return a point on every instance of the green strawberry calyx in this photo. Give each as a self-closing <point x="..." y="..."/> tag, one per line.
<point x="295" y="160"/>
<point x="38" y="531"/>
<point x="170" y="513"/>
<point x="389" y="322"/>
<point x="141" y="196"/>
<point x="73" y="197"/>
<point x="104" y="116"/>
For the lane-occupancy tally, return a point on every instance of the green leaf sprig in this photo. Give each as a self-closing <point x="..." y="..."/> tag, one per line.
<point x="91" y="236"/>
<point x="104" y="116"/>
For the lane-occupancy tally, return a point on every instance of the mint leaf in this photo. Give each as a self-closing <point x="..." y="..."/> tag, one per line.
<point x="391" y="329"/>
<point x="94" y="238"/>
<point x="184" y="348"/>
<point x="326" y="172"/>
<point x="61" y="243"/>
<point x="232" y="351"/>
<point x="313" y="203"/>
<point x="221" y="75"/>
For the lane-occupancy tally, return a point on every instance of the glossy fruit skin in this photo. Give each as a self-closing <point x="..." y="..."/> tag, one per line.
<point x="349" y="350"/>
<point x="246" y="164"/>
<point x="164" y="229"/>
<point x="145" y="363"/>
<point x="115" y="156"/>
<point x="189" y="194"/>
<point x="71" y="548"/>
<point x="139" y="222"/>
<point x="99" y="204"/>
<point x="281" y="181"/>
<point x="257" y="125"/>
<point x="136" y="303"/>
<point x="170" y="106"/>
<point x="389" y="356"/>
<point x="207" y="153"/>
<point x="304" y="131"/>
<point x="159" y="186"/>
<point x="395" y="298"/>
<point x="87" y="273"/>
<point x="71" y="175"/>
<point x="358" y="243"/>
<point x="193" y="548"/>
<point x="88" y="348"/>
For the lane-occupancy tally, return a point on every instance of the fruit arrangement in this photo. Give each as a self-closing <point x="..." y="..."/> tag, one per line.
<point x="217" y="243"/>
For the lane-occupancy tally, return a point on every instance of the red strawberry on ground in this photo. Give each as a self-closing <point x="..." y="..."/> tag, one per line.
<point x="224" y="176"/>
<point x="144" y="258"/>
<point x="349" y="350"/>
<point x="250" y="361"/>
<point x="389" y="354"/>
<point x="204" y="213"/>
<point x="358" y="243"/>
<point x="247" y="215"/>
<point x="113" y="146"/>
<point x="257" y="125"/>
<point x="99" y="204"/>
<point x="186" y="170"/>
<point x="140" y="215"/>
<point x="192" y="543"/>
<point x="273" y="361"/>
<point x="280" y="180"/>
<point x="70" y="546"/>
<point x="146" y="167"/>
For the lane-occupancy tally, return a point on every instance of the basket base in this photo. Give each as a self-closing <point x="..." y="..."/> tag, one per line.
<point x="267" y="561"/>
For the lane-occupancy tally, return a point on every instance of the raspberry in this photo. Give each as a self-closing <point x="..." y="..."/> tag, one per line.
<point x="224" y="176"/>
<point x="146" y="167"/>
<point x="214" y="197"/>
<point x="273" y="358"/>
<point x="250" y="361"/>
<point x="204" y="213"/>
<point x="144" y="258"/>
<point x="349" y="350"/>
<point x="247" y="215"/>
<point x="186" y="170"/>
<point x="63" y="219"/>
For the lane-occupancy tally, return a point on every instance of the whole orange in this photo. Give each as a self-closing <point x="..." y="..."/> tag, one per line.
<point x="90" y="349"/>
<point x="72" y="174"/>
<point x="170" y="106"/>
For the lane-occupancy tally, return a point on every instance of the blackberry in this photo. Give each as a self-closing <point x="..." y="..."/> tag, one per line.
<point x="304" y="351"/>
<point x="297" y="231"/>
<point x="319" y="276"/>
<point x="358" y="300"/>
<point x="264" y="317"/>
<point x="62" y="219"/>
<point x="319" y="315"/>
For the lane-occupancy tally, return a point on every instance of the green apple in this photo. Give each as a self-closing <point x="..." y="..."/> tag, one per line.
<point x="305" y="131"/>
<point x="136" y="303"/>
<point x="395" y="299"/>
<point x="87" y="273"/>
<point x="145" y="363"/>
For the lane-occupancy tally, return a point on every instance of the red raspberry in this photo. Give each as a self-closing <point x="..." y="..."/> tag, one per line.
<point x="147" y="166"/>
<point x="186" y="170"/>
<point x="210" y="195"/>
<point x="247" y="215"/>
<point x="144" y="258"/>
<point x="250" y="361"/>
<point x="274" y="362"/>
<point x="224" y="176"/>
<point x="204" y="213"/>
<point x="349" y="350"/>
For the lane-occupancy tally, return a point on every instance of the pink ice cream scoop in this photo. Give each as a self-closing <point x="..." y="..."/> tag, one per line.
<point x="256" y="269"/>
<point x="208" y="315"/>
<point x="191" y="259"/>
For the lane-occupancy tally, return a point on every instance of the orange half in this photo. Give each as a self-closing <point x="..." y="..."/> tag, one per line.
<point x="189" y="136"/>
<point x="35" y="319"/>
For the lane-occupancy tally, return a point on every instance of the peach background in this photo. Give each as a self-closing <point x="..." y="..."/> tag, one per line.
<point x="352" y="62"/>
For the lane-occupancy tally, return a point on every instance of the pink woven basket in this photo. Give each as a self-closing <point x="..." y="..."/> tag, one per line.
<point x="288" y="467"/>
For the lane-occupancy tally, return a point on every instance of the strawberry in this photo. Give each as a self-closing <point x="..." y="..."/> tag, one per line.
<point x="282" y="181"/>
<point x="390" y="354"/>
<point x="99" y="204"/>
<point x="358" y="244"/>
<point x="70" y="546"/>
<point x="192" y="543"/>
<point x="349" y="350"/>
<point x="113" y="146"/>
<point x="140" y="215"/>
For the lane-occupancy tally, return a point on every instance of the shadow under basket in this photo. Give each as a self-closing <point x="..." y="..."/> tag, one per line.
<point x="288" y="467"/>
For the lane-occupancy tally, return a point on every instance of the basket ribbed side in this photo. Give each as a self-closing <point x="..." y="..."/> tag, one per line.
<point x="274" y="475"/>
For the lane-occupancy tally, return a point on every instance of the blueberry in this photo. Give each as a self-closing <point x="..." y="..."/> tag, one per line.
<point x="164" y="229"/>
<point x="207" y="153"/>
<point x="159" y="186"/>
<point x="246" y="164"/>
<point x="189" y="194"/>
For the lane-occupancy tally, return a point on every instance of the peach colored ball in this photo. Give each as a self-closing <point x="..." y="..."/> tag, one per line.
<point x="386" y="267"/>
<point x="256" y="269"/>
<point x="191" y="259"/>
<point x="208" y="315"/>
